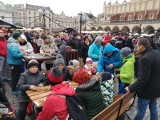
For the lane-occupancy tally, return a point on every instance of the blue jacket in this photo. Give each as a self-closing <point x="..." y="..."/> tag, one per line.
<point x="105" y="61"/>
<point x="95" y="51"/>
<point x="14" y="55"/>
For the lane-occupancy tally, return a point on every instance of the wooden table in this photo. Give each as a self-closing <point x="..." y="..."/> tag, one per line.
<point x="40" y="58"/>
<point x="39" y="97"/>
<point x="71" y="54"/>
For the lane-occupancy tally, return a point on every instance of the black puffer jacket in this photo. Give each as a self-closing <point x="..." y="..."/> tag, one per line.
<point x="26" y="80"/>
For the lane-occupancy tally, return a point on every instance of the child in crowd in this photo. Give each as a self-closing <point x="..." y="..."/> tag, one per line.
<point x="89" y="66"/>
<point x="107" y="87"/>
<point x="59" y="62"/>
<point x="126" y="75"/>
<point x="29" y="80"/>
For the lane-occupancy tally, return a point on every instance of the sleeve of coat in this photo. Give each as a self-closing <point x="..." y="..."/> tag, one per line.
<point x="91" y="52"/>
<point x="143" y="75"/>
<point x="130" y="71"/>
<point x="16" y="53"/>
<point x="61" y="49"/>
<point x="100" y="64"/>
<point x="22" y="83"/>
<point x="118" y="63"/>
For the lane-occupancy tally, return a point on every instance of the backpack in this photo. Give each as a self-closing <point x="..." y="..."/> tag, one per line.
<point x="76" y="108"/>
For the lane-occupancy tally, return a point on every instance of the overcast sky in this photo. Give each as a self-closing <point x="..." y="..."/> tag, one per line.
<point x="69" y="7"/>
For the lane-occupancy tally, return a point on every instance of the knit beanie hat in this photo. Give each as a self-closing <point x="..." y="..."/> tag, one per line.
<point x="58" y="40"/>
<point x="32" y="63"/>
<point x="55" y="75"/>
<point x="59" y="60"/>
<point x="74" y="62"/>
<point x="81" y="76"/>
<point x="106" y="76"/>
<point x="16" y="35"/>
<point x="89" y="60"/>
<point x="125" y="51"/>
<point x="99" y="39"/>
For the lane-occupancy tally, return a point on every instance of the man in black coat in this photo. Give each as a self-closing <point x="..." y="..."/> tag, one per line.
<point x="147" y="85"/>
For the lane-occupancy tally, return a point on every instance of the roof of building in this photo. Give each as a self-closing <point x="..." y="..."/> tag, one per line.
<point x="35" y="7"/>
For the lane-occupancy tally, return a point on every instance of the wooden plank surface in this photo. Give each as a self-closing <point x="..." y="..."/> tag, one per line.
<point x="38" y="57"/>
<point x="39" y="96"/>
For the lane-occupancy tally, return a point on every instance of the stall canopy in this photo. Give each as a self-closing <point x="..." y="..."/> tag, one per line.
<point x="7" y="24"/>
<point x="70" y="30"/>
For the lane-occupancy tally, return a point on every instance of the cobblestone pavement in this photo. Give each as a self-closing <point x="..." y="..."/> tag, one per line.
<point x="131" y="113"/>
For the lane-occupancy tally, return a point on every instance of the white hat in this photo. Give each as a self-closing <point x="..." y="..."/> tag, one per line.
<point x="89" y="60"/>
<point x="23" y="37"/>
<point x="74" y="62"/>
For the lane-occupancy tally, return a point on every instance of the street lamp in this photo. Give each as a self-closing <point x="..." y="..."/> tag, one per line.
<point x="43" y="12"/>
<point x="140" y="28"/>
<point x="80" y="14"/>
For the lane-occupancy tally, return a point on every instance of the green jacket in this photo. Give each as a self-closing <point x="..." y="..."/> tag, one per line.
<point x="90" y="94"/>
<point x="127" y="69"/>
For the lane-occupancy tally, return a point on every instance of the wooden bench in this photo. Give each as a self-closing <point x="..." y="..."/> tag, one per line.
<point x="119" y="106"/>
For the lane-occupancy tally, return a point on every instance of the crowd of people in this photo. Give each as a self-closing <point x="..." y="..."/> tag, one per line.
<point x="103" y="60"/>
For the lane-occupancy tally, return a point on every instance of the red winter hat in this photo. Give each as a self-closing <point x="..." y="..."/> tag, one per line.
<point x="55" y="75"/>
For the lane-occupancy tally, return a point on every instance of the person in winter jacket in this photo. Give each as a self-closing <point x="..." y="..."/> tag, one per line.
<point x="95" y="50"/>
<point x="106" y="39"/>
<point x="147" y="85"/>
<point x="89" y="92"/>
<point x="55" y="105"/>
<point x="14" y="58"/>
<point x="59" y="62"/>
<point x="3" y="55"/>
<point x="28" y="36"/>
<point x="110" y="59"/>
<point x="84" y="49"/>
<point x="107" y="87"/>
<point x="126" y="70"/>
<point x="61" y="48"/>
<point x="25" y="45"/>
<point x="89" y="66"/>
<point x="29" y="80"/>
<point x="48" y="48"/>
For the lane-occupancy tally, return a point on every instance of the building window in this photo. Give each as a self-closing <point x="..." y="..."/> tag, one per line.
<point x="151" y="16"/>
<point x="121" y="18"/>
<point x="29" y="12"/>
<point x="19" y="13"/>
<point x="139" y="17"/>
<point x="34" y="13"/>
<point x="129" y="17"/>
<point x="105" y="18"/>
<point x="24" y="14"/>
